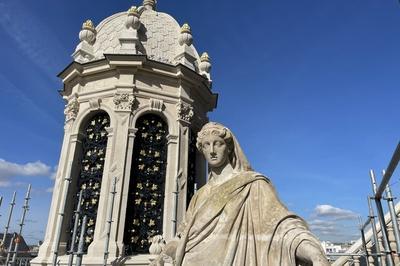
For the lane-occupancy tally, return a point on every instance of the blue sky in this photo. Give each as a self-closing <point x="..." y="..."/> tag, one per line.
<point x="310" y="88"/>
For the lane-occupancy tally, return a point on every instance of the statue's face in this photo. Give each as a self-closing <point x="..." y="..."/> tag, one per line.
<point x="215" y="151"/>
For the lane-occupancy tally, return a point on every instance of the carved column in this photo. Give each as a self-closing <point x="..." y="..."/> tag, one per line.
<point x="184" y="117"/>
<point x="124" y="183"/>
<point x="96" y="248"/>
<point x="67" y="154"/>
<point x="172" y="171"/>
<point x="114" y="167"/>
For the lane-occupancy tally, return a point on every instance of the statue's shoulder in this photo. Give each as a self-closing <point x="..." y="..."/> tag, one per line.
<point x="256" y="176"/>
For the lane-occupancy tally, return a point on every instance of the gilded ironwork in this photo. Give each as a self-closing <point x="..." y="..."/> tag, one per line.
<point x="94" y="147"/>
<point x="191" y="178"/>
<point x="146" y="189"/>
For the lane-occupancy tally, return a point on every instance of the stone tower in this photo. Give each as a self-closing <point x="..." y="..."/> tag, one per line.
<point x="136" y="93"/>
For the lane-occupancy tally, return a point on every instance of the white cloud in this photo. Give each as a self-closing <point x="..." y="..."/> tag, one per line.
<point x="49" y="190"/>
<point x="322" y="227"/>
<point x="334" y="213"/>
<point x="8" y="170"/>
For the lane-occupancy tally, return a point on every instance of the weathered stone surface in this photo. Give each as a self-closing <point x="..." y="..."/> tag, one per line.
<point x="237" y="218"/>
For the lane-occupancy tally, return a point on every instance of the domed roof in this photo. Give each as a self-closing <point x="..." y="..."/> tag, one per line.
<point x="158" y="36"/>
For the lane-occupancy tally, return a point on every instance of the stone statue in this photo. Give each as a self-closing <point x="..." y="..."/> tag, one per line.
<point x="237" y="218"/>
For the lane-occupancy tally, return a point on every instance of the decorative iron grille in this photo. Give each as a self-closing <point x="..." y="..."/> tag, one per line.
<point x="144" y="214"/>
<point x="191" y="179"/>
<point x="94" y="147"/>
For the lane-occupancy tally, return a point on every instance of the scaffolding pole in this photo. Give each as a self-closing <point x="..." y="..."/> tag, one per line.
<point x="9" y="252"/>
<point x="374" y="232"/>
<point x="381" y="217"/>
<point x="12" y="204"/>
<point x="389" y="172"/>
<point x="1" y="201"/>
<point x="67" y="181"/>
<point x="22" y="223"/>
<point x="109" y="221"/>
<point x="79" y="254"/>
<point x="363" y="236"/>
<point x="76" y="223"/>
<point x="393" y="216"/>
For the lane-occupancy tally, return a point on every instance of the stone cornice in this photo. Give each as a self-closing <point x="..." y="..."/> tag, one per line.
<point x="112" y="62"/>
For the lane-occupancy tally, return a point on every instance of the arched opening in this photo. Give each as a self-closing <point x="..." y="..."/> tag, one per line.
<point x="144" y="215"/>
<point x="91" y="164"/>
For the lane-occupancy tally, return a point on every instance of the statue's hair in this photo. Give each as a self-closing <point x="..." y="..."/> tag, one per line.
<point x="213" y="128"/>
<point x="236" y="156"/>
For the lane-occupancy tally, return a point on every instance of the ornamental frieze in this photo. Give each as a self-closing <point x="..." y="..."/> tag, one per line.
<point x="124" y="101"/>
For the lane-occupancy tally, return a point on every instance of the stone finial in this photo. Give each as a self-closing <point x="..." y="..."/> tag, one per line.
<point x="132" y="19"/>
<point x="84" y="51"/>
<point x="205" y="64"/>
<point x="186" y="35"/>
<point x="150" y="4"/>
<point x="186" y="28"/>
<point x="88" y="32"/>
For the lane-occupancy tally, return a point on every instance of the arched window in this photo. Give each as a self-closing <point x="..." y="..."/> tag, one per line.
<point x="144" y="216"/>
<point x="94" y="145"/>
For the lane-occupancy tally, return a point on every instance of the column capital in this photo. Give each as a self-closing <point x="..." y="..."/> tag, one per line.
<point x="110" y="131"/>
<point x="76" y="137"/>
<point x="132" y="132"/>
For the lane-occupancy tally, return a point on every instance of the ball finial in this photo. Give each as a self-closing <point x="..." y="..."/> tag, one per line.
<point x="132" y="20"/>
<point x="88" y="32"/>
<point x="186" y="35"/>
<point x="205" y="63"/>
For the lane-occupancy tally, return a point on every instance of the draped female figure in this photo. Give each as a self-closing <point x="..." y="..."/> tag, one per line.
<point x="237" y="217"/>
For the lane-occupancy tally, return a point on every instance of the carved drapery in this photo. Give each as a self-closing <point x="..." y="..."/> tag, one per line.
<point x="146" y="189"/>
<point x="94" y="144"/>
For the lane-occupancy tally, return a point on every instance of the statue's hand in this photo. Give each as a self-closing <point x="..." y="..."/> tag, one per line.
<point x="311" y="254"/>
<point x="167" y="255"/>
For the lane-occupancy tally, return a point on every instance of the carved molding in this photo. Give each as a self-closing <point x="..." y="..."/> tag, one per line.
<point x="71" y="108"/>
<point x="124" y="101"/>
<point x="172" y="139"/>
<point x="185" y="111"/>
<point x="110" y="131"/>
<point x="156" y="105"/>
<point x="76" y="137"/>
<point x="132" y="132"/>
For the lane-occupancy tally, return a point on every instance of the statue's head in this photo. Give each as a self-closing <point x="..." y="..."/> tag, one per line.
<point x="219" y="146"/>
<point x="216" y="143"/>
